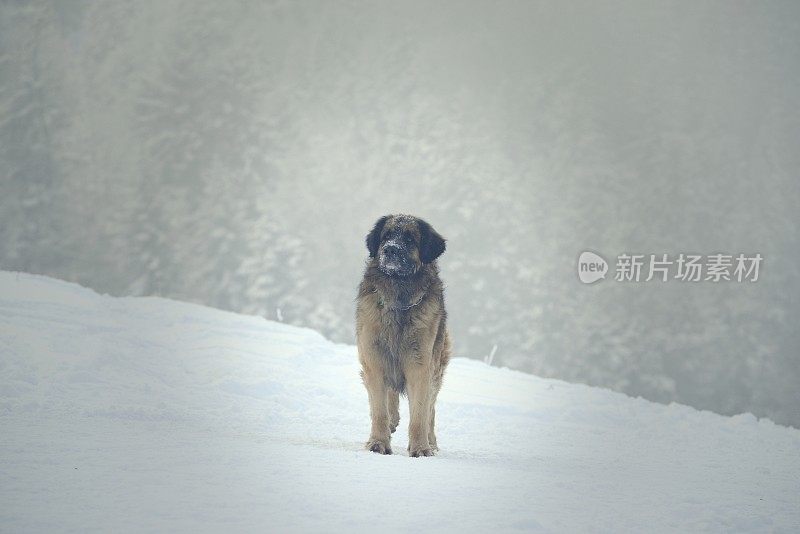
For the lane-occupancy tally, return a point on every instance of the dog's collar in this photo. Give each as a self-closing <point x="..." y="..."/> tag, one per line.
<point x="381" y="303"/>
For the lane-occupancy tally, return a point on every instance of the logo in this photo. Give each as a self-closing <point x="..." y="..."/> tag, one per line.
<point x="663" y="267"/>
<point x="591" y="267"/>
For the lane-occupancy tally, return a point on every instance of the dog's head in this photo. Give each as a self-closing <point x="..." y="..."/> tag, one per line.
<point x="403" y="244"/>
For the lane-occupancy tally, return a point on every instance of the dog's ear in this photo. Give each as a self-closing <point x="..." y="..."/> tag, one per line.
<point x="374" y="237"/>
<point x="431" y="243"/>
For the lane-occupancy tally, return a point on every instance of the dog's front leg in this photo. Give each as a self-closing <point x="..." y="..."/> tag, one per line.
<point x="379" y="437"/>
<point x="419" y="387"/>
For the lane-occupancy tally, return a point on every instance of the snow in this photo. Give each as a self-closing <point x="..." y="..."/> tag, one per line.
<point x="145" y="414"/>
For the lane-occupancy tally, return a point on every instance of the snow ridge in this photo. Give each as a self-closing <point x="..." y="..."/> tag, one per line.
<point x="132" y="414"/>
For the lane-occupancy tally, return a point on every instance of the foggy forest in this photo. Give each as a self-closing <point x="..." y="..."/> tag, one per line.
<point x="235" y="154"/>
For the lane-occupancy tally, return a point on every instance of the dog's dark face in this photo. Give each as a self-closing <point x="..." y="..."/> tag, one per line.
<point x="403" y="244"/>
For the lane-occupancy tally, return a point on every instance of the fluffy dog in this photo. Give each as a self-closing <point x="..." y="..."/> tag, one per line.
<point x="403" y="343"/>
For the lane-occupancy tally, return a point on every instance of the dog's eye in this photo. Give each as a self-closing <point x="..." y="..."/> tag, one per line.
<point x="408" y="239"/>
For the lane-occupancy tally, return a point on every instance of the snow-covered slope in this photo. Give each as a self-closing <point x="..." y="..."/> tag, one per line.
<point x="143" y="414"/>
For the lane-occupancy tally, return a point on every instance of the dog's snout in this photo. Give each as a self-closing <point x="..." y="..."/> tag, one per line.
<point x="391" y="250"/>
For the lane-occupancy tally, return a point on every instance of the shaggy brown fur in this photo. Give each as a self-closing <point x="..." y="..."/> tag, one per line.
<point x="403" y="344"/>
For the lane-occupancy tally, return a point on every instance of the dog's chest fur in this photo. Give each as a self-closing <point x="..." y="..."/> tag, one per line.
<point x="396" y="342"/>
<point x="404" y="313"/>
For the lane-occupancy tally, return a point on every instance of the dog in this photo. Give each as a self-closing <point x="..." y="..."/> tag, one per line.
<point x="401" y="330"/>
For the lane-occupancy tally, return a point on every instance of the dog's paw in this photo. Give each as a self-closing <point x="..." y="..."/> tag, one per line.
<point x="416" y="452"/>
<point x="393" y="424"/>
<point x="379" y="446"/>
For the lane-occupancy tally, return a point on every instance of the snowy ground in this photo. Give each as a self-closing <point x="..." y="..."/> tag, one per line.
<point x="147" y="414"/>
